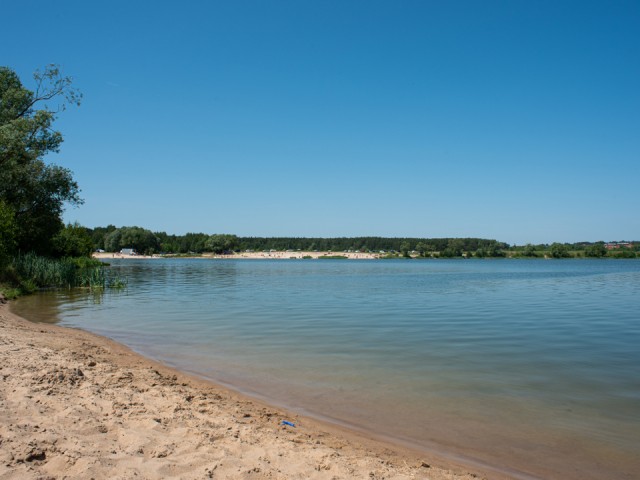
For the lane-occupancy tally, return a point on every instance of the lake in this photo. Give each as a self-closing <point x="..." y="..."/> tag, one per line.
<point x="531" y="367"/>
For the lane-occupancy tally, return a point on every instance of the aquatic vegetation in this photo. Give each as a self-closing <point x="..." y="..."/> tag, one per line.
<point x="31" y="272"/>
<point x="117" y="283"/>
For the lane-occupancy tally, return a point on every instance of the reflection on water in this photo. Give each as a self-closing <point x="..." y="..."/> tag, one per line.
<point x="531" y="365"/>
<point x="48" y="307"/>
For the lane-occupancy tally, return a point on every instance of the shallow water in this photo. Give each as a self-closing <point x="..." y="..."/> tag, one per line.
<point x="529" y="366"/>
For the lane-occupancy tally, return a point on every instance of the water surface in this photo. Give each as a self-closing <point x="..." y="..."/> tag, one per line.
<point x="529" y="366"/>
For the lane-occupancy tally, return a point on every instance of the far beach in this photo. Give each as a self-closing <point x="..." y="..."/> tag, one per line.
<point x="267" y="255"/>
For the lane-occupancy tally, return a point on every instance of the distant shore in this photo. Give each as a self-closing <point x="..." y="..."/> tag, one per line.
<point x="77" y="405"/>
<point x="297" y="255"/>
<point x="283" y="255"/>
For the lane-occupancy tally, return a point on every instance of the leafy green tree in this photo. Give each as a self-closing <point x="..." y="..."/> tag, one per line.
<point x="454" y="248"/>
<point x="142" y="240"/>
<point x="559" y="250"/>
<point x="98" y="235"/>
<point x="596" y="250"/>
<point x="36" y="192"/>
<point x="168" y="243"/>
<point x="220" y="243"/>
<point x="493" y="250"/>
<point x="8" y="230"/>
<point x="73" y="240"/>
<point x="425" y="249"/>
<point x="193" y="242"/>
<point x="112" y="241"/>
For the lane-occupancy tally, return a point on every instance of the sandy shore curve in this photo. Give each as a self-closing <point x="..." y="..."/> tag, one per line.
<point x="77" y="405"/>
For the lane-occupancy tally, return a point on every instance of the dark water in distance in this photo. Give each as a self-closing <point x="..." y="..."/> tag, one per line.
<point x="531" y="366"/>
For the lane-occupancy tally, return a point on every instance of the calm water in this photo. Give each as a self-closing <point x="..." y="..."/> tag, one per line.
<point x="529" y="366"/>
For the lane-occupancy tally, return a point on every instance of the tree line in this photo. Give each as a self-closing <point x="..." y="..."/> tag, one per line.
<point x="112" y="239"/>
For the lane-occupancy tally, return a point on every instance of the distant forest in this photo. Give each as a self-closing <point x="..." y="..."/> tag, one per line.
<point x="113" y="239"/>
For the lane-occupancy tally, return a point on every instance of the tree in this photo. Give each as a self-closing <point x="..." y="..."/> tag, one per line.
<point x="454" y="248"/>
<point x="73" y="240"/>
<point x="493" y="250"/>
<point x="596" y="250"/>
<point x="98" y="235"/>
<point x="142" y="240"/>
<point x="221" y="243"/>
<point x="35" y="192"/>
<point x="8" y="230"/>
<point x="559" y="250"/>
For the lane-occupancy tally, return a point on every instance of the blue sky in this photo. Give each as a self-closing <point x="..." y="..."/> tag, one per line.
<point x="513" y="120"/>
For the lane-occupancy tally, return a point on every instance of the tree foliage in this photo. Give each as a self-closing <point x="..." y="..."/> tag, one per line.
<point x="142" y="240"/>
<point x="73" y="240"/>
<point x="425" y="247"/>
<point x="596" y="250"/>
<point x="98" y="236"/>
<point x="221" y="243"/>
<point x="8" y="229"/>
<point x="104" y="237"/>
<point x="559" y="250"/>
<point x="189" y="243"/>
<point x="34" y="191"/>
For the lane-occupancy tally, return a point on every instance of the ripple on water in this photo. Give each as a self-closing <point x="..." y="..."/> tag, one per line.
<point x="493" y="359"/>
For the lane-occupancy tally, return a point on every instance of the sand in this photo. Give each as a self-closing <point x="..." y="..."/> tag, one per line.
<point x="271" y="255"/>
<point x="77" y="405"/>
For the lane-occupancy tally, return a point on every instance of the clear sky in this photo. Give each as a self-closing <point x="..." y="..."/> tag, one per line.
<point x="513" y="120"/>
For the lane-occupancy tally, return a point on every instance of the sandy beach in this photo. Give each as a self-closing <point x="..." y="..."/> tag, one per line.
<point x="77" y="405"/>
<point x="271" y="255"/>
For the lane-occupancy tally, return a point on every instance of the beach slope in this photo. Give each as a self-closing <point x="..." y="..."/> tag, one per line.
<point x="76" y="405"/>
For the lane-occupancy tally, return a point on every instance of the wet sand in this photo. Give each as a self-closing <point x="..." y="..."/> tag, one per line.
<point x="77" y="405"/>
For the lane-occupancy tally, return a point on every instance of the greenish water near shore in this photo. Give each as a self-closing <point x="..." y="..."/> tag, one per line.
<point x="526" y="365"/>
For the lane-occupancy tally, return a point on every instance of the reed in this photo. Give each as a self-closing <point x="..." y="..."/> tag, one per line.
<point x="39" y="272"/>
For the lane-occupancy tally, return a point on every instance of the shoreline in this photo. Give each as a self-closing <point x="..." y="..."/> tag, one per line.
<point x="272" y="255"/>
<point x="81" y="405"/>
<point x="283" y="255"/>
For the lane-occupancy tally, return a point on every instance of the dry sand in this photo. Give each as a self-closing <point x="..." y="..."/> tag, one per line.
<point x="286" y="255"/>
<point x="76" y="405"/>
